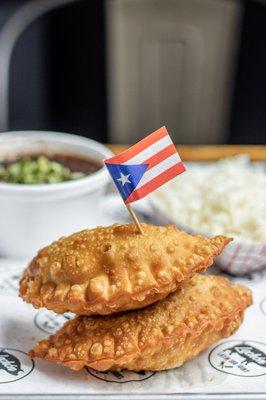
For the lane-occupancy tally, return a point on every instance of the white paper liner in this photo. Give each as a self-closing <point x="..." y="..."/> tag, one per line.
<point x="218" y="370"/>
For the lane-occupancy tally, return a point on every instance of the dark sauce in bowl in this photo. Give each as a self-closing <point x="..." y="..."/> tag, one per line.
<point x="76" y="163"/>
<point x="45" y="168"/>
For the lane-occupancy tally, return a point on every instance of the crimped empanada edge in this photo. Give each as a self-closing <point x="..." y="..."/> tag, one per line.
<point x="79" y="299"/>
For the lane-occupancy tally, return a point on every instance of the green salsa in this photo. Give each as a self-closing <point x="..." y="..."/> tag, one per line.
<point x="37" y="170"/>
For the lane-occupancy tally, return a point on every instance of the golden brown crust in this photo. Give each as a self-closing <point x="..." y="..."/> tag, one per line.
<point x="161" y="336"/>
<point x="113" y="269"/>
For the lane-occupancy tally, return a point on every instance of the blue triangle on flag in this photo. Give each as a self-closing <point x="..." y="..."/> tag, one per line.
<point x="126" y="177"/>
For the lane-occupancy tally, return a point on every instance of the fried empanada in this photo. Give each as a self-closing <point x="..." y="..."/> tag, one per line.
<point x="113" y="269"/>
<point x="161" y="336"/>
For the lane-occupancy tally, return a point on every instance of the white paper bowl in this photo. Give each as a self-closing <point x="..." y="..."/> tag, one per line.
<point x="237" y="258"/>
<point x="32" y="216"/>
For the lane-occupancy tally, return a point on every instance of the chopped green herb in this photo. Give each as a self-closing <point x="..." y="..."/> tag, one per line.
<point x="37" y="171"/>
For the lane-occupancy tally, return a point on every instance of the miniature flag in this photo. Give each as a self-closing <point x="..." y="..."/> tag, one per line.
<point x="145" y="166"/>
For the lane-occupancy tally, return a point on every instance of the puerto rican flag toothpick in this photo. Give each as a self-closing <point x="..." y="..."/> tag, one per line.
<point x="144" y="167"/>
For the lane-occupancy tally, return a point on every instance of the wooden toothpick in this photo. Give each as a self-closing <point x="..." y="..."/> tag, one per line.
<point x="134" y="218"/>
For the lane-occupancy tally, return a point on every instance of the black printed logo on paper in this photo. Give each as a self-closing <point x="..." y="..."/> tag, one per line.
<point x="241" y="358"/>
<point x="9" y="284"/>
<point x="14" y="365"/>
<point x="122" y="376"/>
<point x="49" y="322"/>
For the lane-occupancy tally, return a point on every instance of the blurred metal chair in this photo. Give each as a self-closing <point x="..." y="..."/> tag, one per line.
<point x="9" y="35"/>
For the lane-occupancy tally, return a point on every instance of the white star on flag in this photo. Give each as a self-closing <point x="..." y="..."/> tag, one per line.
<point x="124" y="179"/>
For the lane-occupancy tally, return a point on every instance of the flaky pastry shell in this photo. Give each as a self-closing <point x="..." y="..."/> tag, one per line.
<point x="112" y="269"/>
<point x="161" y="336"/>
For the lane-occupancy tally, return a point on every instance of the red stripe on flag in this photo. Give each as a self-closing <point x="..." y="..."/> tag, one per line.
<point x="164" y="177"/>
<point x="161" y="156"/>
<point x="138" y="147"/>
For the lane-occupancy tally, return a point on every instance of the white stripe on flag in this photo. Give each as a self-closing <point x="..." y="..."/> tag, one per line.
<point x="158" y="169"/>
<point x="150" y="151"/>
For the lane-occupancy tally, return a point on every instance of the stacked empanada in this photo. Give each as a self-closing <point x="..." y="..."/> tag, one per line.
<point x="106" y="274"/>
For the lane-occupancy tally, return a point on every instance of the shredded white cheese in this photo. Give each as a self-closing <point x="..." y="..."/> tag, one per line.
<point x="227" y="197"/>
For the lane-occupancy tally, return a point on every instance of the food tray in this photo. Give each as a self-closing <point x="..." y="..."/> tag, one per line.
<point x="219" y="372"/>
